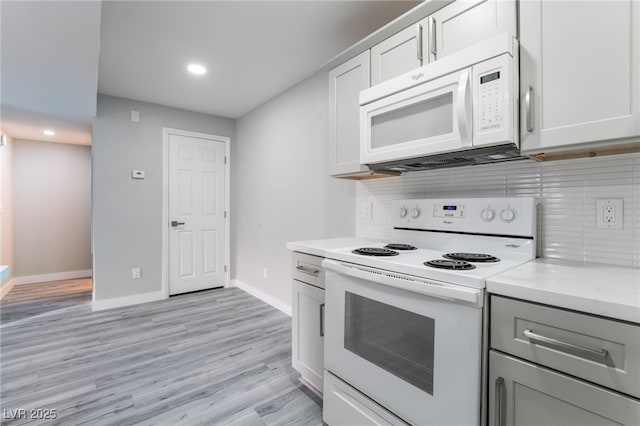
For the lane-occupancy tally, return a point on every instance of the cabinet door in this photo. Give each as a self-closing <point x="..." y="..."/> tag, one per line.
<point x="400" y="53"/>
<point x="307" y="325"/>
<point x="345" y="83"/>
<point x="466" y="22"/>
<point x="523" y="394"/>
<point x="579" y="73"/>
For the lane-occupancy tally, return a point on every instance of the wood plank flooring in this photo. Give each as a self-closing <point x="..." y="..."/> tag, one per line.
<point x="213" y="357"/>
<point x="27" y="300"/>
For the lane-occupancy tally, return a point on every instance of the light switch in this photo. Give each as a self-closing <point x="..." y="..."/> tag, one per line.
<point x="135" y="116"/>
<point x="137" y="174"/>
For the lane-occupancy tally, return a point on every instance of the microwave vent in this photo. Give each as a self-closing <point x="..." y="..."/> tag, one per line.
<point x="471" y="157"/>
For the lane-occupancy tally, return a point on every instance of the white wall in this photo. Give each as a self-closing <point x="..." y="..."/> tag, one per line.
<point x="127" y="213"/>
<point x="283" y="189"/>
<point x="51" y="207"/>
<point x="6" y="209"/>
<point x="567" y="191"/>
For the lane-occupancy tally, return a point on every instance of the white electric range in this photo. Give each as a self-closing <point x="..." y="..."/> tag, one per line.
<point x="404" y="320"/>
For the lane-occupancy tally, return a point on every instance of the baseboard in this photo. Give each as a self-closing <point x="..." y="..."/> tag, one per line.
<point x="6" y="288"/>
<point x="134" y="299"/>
<point x="57" y="276"/>
<point x="282" y="307"/>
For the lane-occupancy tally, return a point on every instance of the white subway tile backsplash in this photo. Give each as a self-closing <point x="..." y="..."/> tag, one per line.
<point x="567" y="191"/>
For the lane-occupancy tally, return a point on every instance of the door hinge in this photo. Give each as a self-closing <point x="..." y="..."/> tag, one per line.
<point x="225" y="159"/>
<point x="225" y="268"/>
<point x="225" y="214"/>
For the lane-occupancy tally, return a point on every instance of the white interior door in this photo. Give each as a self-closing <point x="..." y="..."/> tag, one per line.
<point x="197" y="225"/>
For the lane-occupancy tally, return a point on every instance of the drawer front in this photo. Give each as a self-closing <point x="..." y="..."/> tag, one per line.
<point x="344" y="406"/>
<point x="308" y="269"/>
<point x="602" y="351"/>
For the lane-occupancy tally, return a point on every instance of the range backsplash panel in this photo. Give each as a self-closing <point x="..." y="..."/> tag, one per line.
<point x="567" y="191"/>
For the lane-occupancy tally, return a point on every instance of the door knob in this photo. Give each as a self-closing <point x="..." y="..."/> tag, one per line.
<point x="175" y="223"/>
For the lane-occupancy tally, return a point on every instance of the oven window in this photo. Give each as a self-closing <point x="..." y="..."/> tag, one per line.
<point x="423" y="120"/>
<point x="398" y="341"/>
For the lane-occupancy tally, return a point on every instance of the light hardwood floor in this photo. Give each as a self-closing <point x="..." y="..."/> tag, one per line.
<point x="29" y="300"/>
<point x="213" y="357"/>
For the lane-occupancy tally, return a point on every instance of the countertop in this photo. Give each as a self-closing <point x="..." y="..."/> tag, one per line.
<point x="609" y="291"/>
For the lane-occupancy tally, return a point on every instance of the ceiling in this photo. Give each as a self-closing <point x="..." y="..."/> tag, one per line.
<point x="49" y="68"/>
<point x="57" y="55"/>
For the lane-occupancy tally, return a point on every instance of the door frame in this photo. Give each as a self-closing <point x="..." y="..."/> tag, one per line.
<point x="166" y="132"/>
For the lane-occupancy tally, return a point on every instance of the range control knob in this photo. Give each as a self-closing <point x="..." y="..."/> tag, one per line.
<point x="508" y="215"/>
<point x="415" y="213"/>
<point x="488" y="214"/>
<point x="403" y="212"/>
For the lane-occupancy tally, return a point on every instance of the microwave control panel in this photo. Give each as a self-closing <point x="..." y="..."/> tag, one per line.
<point x="491" y="102"/>
<point x="495" y="101"/>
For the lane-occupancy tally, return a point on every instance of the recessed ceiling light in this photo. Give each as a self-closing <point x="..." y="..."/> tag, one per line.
<point x="49" y="132"/>
<point x="196" y="69"/>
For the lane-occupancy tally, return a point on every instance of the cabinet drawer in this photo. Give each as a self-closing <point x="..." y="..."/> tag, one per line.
<point x="308" y="269"/>
<point x="345" y="406"/>
<point x="599" y="350"/>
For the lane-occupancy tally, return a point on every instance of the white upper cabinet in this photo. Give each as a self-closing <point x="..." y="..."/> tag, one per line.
<point x="579" y="73"/>
<point x="345" y="83"/>
<point x="466" y="22"/>
<point x="400" y="53"/>
<point x="454" y="27"/>
<point x="460" y="24"/>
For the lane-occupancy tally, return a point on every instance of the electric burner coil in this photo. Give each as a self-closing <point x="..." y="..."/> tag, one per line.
<point x="472" y="257"/>
<point x="452" y="265"/>
<point x="375" y="251"/>
<point x="401" y="247"/>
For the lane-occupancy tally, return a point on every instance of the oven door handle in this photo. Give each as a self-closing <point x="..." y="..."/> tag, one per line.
<point x="438" y="289"/>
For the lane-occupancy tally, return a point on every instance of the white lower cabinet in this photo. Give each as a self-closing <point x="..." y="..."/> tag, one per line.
<point x="523" y="394"/>
<point x="308" y="333"/>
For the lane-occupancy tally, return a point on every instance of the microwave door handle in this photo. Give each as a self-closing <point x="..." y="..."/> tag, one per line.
<point x="528" y="100"/>
<point x="464" y="109"/>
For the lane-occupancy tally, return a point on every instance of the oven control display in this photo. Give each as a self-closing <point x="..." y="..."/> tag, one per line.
<point x="491" y="101"/>
<point x="448" y="210"/>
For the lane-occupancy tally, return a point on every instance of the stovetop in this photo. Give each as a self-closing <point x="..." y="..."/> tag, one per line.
<point x="499" y="233"/>
<point x="412" y="263"/>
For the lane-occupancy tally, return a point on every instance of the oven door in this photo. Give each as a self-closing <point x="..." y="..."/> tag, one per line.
<point x="431" y="118"/>
<point x="411" y="345"/>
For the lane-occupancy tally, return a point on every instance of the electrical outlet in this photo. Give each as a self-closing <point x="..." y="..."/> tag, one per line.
<point x="135" y="273"/>
<point x="367" y="211"/>
<point x="609" y="213"/>
<point x="264" y="273"/>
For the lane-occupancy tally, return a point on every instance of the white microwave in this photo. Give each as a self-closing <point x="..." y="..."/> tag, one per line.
<point x="459" y="104"/>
